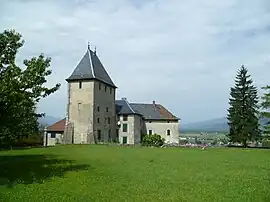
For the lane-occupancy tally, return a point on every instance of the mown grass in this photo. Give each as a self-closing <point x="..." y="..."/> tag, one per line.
<point x="102" y="173"/>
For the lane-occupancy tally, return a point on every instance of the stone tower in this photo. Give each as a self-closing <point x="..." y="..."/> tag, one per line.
<point x="91" y="114"/>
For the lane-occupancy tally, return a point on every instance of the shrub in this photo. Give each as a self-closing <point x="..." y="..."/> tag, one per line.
<point x="215" y="141"/>
<point x="31" y="141"/>
<point x="23" y="141"/>
<point x="152" y="140"/>
<point x="266" y="143"/>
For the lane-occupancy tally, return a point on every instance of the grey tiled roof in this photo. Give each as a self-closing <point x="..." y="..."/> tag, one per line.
<point x="90" y="67"/>
<point x="148" y="111"/>
<point x="153" y="111"/>
<point x="123" y="107"/>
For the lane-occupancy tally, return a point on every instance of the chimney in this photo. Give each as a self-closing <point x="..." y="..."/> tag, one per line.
<point x="154" y="103"/>
<point x="124" y="98"/>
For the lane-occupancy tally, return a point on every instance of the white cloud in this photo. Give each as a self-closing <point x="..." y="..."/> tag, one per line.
<point x="183" y="54"/>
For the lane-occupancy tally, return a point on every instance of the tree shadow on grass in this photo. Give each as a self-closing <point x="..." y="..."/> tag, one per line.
<point x="28" y="169"/>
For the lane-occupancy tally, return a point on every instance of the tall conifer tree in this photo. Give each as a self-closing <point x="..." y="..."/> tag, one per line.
<point x="266" y="109"/>
<point x="243" y="111"/>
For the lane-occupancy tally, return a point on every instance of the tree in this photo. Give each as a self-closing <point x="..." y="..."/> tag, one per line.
<point x="243" y="111"/>
<point x="152" y="140"/>
<point x="20" y="90"/>
<point x="266" y="109"/>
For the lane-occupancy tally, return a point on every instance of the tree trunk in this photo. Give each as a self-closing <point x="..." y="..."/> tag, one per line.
<point x="245" y="144"/>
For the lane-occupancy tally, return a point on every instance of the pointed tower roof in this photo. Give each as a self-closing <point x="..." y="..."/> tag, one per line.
<point x="90" y="68"/>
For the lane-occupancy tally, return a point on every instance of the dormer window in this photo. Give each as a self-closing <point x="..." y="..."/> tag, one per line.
<point x="110" y="90"/>
<point x="105" y="88"/>
<point x="80" y="85"/>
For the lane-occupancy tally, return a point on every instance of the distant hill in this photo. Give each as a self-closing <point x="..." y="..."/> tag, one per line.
<point x="214" y="125"/>
<point x="48" y="120"/>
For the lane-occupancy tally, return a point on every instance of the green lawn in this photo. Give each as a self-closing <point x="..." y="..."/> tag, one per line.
<point x="102" y="173"/>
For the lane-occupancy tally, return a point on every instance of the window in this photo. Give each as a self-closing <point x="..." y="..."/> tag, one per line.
<point x="125" y="117"/>
<point x="99" y="135"/>
<point x="109" y="120"/>
<point x="53" y="135"/>
<point x="105" y="88"/>
<point x="98" y="108"/>
<point x="97" y="120"/>
<point x="79" y="106"/>
<point x="110" y="90"/>
<point x="99" y="86"/>
<point x="168" y="132"/>
<point x="125" y="127"/>
<point x="80" y="84"/>
<point x="117" y="133"/>
<point x="150" y="132"/>
<point x="107" y="109"/>
<point x="109" y="134"/>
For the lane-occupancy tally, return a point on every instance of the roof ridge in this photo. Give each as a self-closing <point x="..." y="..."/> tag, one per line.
<point x="91" y="68"/>
<point x="57" y="121"/>
<point x="91" y="63"/>
<point x="138" y="103"/>
<point x="130" y="106"/>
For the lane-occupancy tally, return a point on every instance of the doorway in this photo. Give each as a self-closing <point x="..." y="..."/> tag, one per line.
<point x="124" y="140"/>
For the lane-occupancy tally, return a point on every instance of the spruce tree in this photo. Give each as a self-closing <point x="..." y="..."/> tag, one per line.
<point x="243" y="111"/>
<point x="266" y="109"/>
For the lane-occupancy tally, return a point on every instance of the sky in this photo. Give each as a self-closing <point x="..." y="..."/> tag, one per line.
<point x="182" y="54"/>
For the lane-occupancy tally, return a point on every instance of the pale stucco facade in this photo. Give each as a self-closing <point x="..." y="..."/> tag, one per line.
<point x="52" y="139"/>
<point x="169" y="130"/>
<point x="130" y="129"/>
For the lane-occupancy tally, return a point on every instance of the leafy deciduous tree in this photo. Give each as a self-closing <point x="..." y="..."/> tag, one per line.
<point x="20" y="90"/>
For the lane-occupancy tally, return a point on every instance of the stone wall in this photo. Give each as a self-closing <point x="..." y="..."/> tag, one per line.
<point x="80" y="111"/>
<point x="104" y="117"/>
<point x="91" y="109"/>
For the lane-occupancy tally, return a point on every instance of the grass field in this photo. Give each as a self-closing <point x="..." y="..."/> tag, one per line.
<point x="102" y="173"/>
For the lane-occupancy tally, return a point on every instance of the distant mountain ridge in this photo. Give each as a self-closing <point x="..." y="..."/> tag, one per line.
<point x="48" y="120"/>
<point x="214" y="125"/>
